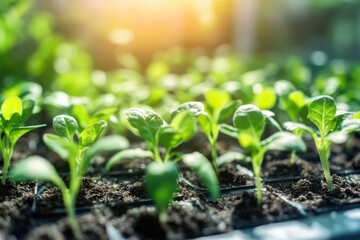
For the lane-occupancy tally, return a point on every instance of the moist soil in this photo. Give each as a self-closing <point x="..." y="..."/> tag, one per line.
<point x="124" y="209"/>
<point x="313" y="193"/>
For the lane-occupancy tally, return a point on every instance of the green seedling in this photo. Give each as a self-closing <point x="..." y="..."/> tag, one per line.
<point x="249" y="124"/>
<point x="219" y="108"/>
<point x="331" y="125"/>
<point x="14" y="113"/>
<point x="294" y="103"/>
<point x="162" y="174"/>
<point x="38" y="168"/>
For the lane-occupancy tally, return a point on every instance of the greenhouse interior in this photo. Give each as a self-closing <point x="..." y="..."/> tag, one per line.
<point x="179" y="119"/>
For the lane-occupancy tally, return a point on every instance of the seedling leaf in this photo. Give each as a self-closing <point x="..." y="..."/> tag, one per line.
<point x="10" y="107"/>
<point x="284" y="141"/>
<point x="91" y="134"/>
<point x="107" y="144"/>
<point x="322" y="111"/>
<point x="161" y="183"/>
<point x="195" y="108"/>
<point x="60" y="145"/>
<point x="201" y="166"/>
<point x="250" y="122"/>
<point x="36" y="168"/>
<point x="217" y="99"/>
<point x="16" y="133"/>
<point x="228" y="111"/>
<point x="65" y="126"/>
<point x="144" y="122"/>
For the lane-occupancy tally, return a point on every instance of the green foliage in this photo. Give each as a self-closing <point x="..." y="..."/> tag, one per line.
<point x="249" y="124"/>
<point x="14" y="114"/>
<point x="74" y="152"/>
<point x="156" y="132"/>
<point x="332" y="126"/>
<point x="201" y="166"/>
<point x="219" y="108"/>
<point x="161" y="183"/>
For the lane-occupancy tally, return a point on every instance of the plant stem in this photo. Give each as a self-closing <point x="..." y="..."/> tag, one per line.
<point x="292" y="157"/>
<point x="256" y="163"/>
<point x="70" y="209"/>
<point x="214" y="157"/>
<point x="324" y="148"/>
<point x="7" y="156"/>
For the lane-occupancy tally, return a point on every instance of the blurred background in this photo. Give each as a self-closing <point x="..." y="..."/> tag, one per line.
<point x="74" y="45"/>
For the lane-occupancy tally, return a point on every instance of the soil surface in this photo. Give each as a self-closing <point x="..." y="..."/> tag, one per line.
<point x="313" y="193"/>
<point x="284" y="169"/>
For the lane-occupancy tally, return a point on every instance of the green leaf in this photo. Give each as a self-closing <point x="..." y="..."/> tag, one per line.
<point x="195" y="108"/>
<point x="61" y="146"/>
<point x="10" y="107"/>
<point x="228" y="111"/>
<point x="36" y="168"/>
<point x="28" y="108"/>
<point x="250" y="122"/>
<point x="229" y="130"/>
<point x="269" y="117"/>
<point x="203" y="169"/>
<point x="169" y="137"/>
<point x="144" y="122"/>
<point x="91" y="133"/>
<point x="16" y="133"/>
<point x="107" y="144"/>
<point x="233" y="156"/>
<point x="217" y="99"/>
<point x="266" y="99"/>
<point x="161" y="183"/>
<point x="322" y="112"/>
<point x="340" y="117"/>
<point x="292" y="126"/>
<point x="127" y="154"/>
<point x="181" y="129"/>
<point x="185" y="124"/>
<point x="205" y="123"/>
<point x="284" y="141"/>
<point x="65" y="126"/>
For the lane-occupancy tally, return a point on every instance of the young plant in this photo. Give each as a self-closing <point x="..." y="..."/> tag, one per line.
<point x="38" y="168"/>
<point x="162" y="174"/>
<point x="293" y="102"/>
<point x="14" y="113"/>
<point x="249" y="124"/>
<point x="219" y="108"/>
<point x="331" y="125"/>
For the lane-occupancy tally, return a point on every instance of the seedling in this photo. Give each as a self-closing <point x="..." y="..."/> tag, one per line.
<point x="38" y="168"/>
<point x="249" y="124"/>
<point x="14" y="113"/>
<point x="331" y="125"/>
<point x="293" y="102"/>
<point x="162" y="175"/>
<point x="220" y="107"/>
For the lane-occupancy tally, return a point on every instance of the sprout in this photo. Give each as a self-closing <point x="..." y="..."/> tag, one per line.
<point x="38" y="168"/>
<point x="249" y="122"/>
<point x="14" y="113"/>
<point x="162" y="175"/>
<point x="332" y="126"/>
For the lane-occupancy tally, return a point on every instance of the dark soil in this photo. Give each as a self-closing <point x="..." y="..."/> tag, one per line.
<point x="244" y="210"/>
<point x="94" y="191"/>
<point x="284" y="169"/>
<point x="313" y="193"/>
<point x="15" y="205"/>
